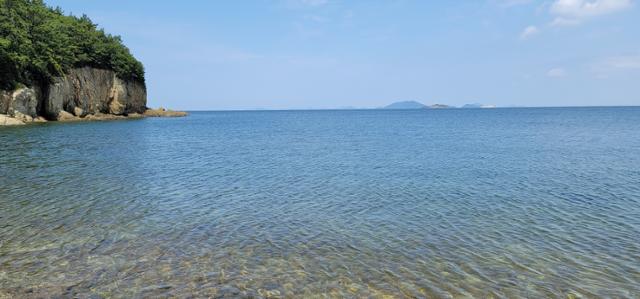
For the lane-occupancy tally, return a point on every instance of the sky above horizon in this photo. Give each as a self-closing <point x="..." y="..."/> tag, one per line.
<point x="319" y="54"/>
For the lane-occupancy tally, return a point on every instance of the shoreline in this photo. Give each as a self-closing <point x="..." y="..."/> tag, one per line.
<point x="19" y="119"/>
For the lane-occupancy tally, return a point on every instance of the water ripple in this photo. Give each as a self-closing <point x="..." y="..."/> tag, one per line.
<point x="505" y="203"/>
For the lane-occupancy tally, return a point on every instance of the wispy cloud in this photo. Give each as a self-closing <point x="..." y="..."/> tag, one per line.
<point x="571" y="12"/>
<point x="574" y="12"/>
<point x="616" y="64"/>
<point x="529" y="32"/>
<point x="557" y="72"/>
<point x="623" y="62"/>
<point x="559" y="21"/>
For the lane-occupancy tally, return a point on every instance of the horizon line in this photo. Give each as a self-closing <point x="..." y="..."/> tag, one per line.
<point x="391" y="109"/>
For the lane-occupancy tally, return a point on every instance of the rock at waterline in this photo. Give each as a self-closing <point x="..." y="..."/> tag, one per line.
<point x="6" y="120"/>
<point x="161" y="112"/>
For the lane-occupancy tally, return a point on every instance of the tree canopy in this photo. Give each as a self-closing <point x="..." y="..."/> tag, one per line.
<point x="38" y="43"/>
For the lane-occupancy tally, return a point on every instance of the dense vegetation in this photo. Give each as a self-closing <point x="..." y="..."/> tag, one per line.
<point x="38" y="43"/>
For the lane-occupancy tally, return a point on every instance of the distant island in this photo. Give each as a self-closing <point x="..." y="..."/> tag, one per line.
<point x="439" y="106"/>
<point x="59" y="67"/>
<point x="405" y="105"/>
<point x="417" y="105"/>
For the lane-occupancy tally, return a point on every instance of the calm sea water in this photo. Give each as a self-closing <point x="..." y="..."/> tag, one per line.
<point x="513" y="203"/>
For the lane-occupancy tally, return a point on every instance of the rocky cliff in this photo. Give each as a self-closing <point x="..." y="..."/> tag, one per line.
<point x="81" y="92"/>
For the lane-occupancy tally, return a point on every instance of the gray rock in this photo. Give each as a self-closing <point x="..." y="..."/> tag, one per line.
<point x="5" y="101"/>
<point x="228" y="292"/>
<point x="94" y="91"/>
<point x="23" y="101"/>
<point x="81" y="92"/>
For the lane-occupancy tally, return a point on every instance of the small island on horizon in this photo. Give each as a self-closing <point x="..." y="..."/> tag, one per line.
<point x="404" y="105"/>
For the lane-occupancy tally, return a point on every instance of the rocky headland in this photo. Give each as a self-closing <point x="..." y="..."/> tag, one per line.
<point x="57" y="67"/>
<point x="83" y="94"/>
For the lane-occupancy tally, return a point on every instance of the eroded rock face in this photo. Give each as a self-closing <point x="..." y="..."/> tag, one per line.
<point x="5" y="101"/>
<point x="22" y="103"/>
<point x="132" y="94"/>
<point x="83" y="92"/>
<point x="94" y="91"/>
<point x="25" y="101"/>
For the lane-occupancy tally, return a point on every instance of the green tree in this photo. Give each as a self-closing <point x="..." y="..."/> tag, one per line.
<point x="38" y="43"/>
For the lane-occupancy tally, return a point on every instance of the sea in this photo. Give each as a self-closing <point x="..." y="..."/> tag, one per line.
<point x="431" y="203"/>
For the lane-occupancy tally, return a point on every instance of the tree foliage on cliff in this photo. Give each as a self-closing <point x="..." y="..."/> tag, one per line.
<point x="38" y="43"/>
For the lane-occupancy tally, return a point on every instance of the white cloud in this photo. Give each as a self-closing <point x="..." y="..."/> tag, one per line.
<point x="573" y="12"/>
<point x="557" y="72"/>
<point x="528" y="32"/>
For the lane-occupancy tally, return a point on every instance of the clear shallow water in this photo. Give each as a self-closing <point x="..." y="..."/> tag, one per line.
<point x="439" y="203"/>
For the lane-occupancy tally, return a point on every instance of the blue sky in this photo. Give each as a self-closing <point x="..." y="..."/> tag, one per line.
<point x="282" y="54"/>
